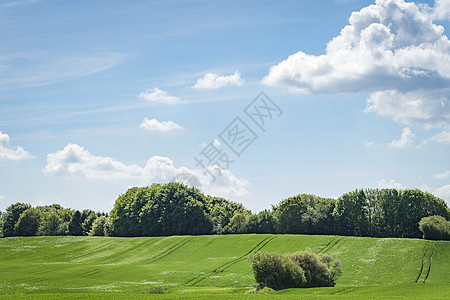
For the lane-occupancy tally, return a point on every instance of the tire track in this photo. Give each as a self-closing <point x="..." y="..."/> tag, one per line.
<point x="168" y="251"/>
<point x="331" y="244"/>
<point x="429" y="265"/>
<point x="227" y="265"/>
<point x="423" y="261"/>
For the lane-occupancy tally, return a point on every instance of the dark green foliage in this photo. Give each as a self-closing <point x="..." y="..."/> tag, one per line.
<point x="299" y="270"/>
<point x="306" y="214"/>
<point x="276" y="271"/>
<point x="238" y="223"/>
<point x="75" y="224"/>
<point x="170" y="209"/>
<point x="320" y="269"/>
<point x="50" y="224"/>
<point x="221" y="211"/>
<point x="11" y="216"/>
<point x="263" y="222"/>
<point x="28" y="222"/>
<point x="435" y="228"/>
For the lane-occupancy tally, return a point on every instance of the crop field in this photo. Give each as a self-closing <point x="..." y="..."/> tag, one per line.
<point x="213" y="266"/>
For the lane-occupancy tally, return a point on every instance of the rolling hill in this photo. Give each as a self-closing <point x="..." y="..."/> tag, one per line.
<point x="206" y="266"/>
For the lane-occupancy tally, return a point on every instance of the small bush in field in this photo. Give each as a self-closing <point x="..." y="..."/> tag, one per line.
<point x="320" y="269"/>
<point x="301" y="269"/>
<point x="276" y="271"/>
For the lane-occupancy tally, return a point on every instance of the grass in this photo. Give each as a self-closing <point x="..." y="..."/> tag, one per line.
<point x="213" y="267"/>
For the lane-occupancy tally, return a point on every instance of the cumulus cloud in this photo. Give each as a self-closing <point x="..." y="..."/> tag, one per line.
<point x="75" y="162"/>
<point x="391" y="50"/>
<point x="159" y="97"/>
<point x="214" y="81"/>
<point x="406" y="139"/>
<point x="443" y="192"/>
<point x="384" y="184"/>
<point x="442" y="137"/>
<point x="7" y="152"/>
<point x="441" y="10"/>
<point x="155" y="125"/>
<point x="442" y="175"/>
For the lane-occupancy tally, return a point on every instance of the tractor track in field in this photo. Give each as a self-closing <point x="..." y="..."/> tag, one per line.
<point x="429" y="265"/>
<point x="168" y="251"/>
<point x="227" y="265"/>
<point x="429" y="250"/>
<point x="331" y="244"/>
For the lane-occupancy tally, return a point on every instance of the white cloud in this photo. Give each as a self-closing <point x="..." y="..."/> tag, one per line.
<point x="8" y="152"/>
<point x="214" y="81"/>
<point x="442" y="175"/>
<point x="426" y="108"/>
<point x="384" y="184"/>
<point x="159" y="96"/>
<point x="368" y="144"/>
<point x="391" y="49"/>
<point x="441" y="10"/>
<point x="2" y="198"/>
<point x="75" y="162"/>
<point x="442" y="137"/>
<point x="406" y="139"/>
<point x="155" y="125"/>
<point x="443" y="192"/>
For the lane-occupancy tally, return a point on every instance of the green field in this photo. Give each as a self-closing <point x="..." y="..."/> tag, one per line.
<point x="213" y="266"/>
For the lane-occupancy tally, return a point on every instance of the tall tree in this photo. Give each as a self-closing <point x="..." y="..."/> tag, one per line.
<point x="11" y="216"/>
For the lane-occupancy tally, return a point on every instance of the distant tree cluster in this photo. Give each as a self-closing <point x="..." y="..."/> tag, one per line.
<point x="175" y="209"/>
<point x="23" y="220"/>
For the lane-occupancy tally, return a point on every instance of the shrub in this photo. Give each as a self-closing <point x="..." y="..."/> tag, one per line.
<point x="301" y="269"/>
<point x="320" y="270"/>
<point x="276" y="271"/>
<point x="435" y="228"/>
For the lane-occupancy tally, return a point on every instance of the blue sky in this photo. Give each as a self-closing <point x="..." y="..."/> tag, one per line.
<point x="99" y="96"/>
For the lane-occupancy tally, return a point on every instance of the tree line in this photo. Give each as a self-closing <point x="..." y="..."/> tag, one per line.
<point x="175" y="209"/>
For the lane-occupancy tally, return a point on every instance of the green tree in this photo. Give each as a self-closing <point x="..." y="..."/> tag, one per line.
<point x="263" y="222"/>
<point x="87" y="223"/>
<point x="50" y="224"/>
<point x="170" y="209"/>
<point x="98" y="227"/>
<point x="221" y="211"/>
<point x="75" y="224"/>
<point x="238" y="223"/>
<point x="11" y="216"/>
<point x="351" y="213"/>
<point x="28" y="222"/>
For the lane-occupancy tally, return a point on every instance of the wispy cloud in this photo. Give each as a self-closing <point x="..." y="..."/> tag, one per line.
<point x="442" y="175"/>
<point x="20" y="70"/>
<point x="442" y="137"/>
<point x="214" y="81"/>
<point x="7" y="152"/>
<point x="155" y="125"/>
<point x="391" y="184"/>
<point x="9" y="4"/>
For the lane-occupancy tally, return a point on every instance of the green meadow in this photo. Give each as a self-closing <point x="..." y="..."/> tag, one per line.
<point x="214" y="266"/>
